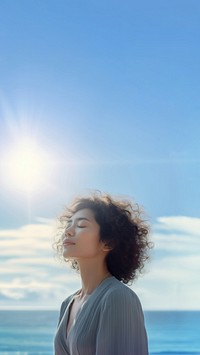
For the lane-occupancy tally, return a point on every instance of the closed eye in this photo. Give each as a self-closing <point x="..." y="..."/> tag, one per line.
<point x="81" y="226"/>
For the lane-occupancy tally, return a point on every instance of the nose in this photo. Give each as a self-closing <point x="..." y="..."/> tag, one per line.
<point x="69" y="232"/>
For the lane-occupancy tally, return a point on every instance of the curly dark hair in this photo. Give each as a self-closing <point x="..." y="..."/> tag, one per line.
<point x="122" y="228"/>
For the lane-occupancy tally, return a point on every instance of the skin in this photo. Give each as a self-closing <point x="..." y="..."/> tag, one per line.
<point x="83" y="230"/>
<point x="81" y="241"/>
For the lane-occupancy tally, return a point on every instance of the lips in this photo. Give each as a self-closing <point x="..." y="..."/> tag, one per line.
<point x="67" y="242"/>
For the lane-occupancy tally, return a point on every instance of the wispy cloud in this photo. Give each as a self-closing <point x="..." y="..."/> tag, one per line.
<point x="172" y="282"/>
<point x="179" y="224"/>
<point x="30" y="277"/>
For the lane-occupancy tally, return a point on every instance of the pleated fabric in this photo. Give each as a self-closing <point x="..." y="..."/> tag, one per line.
<point x="110" y="322"/>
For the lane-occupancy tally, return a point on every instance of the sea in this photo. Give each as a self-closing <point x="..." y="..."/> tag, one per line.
<point x="32" y="332"/>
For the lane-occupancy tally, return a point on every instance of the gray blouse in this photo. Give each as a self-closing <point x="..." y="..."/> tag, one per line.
<point x="110" y="322"/>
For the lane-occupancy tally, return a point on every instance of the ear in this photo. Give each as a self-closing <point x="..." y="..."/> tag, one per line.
<point x="106" y="247"/>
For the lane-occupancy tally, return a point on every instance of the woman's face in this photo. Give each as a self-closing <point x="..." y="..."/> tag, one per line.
<point x="81" y="238"/>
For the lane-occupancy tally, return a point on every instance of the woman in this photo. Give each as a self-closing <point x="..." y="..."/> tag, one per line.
<point x="106" y="240"/>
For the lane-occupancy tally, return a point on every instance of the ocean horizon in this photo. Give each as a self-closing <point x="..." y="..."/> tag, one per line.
<point x="31" y="332"/>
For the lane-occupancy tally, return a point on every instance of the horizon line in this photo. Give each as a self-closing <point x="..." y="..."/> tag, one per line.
<point x="57" y="309"/>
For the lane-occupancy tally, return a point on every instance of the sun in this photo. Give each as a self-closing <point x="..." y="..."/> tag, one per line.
<point x="25" y="165"/>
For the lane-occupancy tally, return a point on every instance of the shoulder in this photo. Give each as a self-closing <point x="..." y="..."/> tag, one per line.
<point x="118" y="289"/>
<point x="118" y="294"/>
<point x="120" y="309"/>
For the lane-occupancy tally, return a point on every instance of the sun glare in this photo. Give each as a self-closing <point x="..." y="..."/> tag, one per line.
<point x="25" y="166"/>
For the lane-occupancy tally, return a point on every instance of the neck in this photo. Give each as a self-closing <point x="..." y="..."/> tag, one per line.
<point x="92" y="274"/>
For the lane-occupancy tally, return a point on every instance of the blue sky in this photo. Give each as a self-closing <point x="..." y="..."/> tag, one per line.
<point x="109" y="94"/>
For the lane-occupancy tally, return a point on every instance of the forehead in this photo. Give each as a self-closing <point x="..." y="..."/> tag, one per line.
<point x="84" y="213"/>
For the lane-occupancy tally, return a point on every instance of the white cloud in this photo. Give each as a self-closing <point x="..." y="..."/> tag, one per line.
<point x="181" y="224"/>
<point x="172" y="282"/>
<point x="29" y="231"/>
<point x="31" y="239"/>
<point x="177" y="234"/>
<point x="29" y="275"/>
